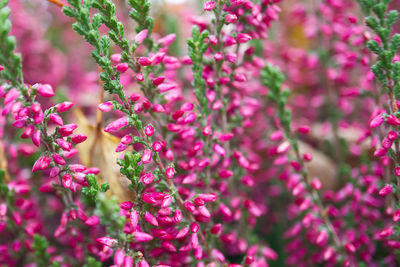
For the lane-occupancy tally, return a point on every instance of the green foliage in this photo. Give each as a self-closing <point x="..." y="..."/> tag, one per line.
<point x="197" y="47"/>
<point x="93" y="189"/>
<point x="90" y="31"/>
<point x="8" y="58"/>
<point x="130" y="168"/>
<point x="92" y="262"/>
<point x="40" y="245"/>
<point x="381" y="20"/>
<point x="141" y="14"/>
<point x="107" y="209"/>
<point x="273" y="78"/>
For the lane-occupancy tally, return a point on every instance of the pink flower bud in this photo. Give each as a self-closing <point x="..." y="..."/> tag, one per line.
<point x="229" y="41"/>
<point x="147" y="178"/>
<point x="393" y="120"/>
<point x="164" y="87"/>
<point x="64" y="106"/>
<point x="396" y="216"/>
<point x="67" y="181"/>
<point x="36" y="138"/>
<point x="225" y="174"/>
<point x="144" y="61"/>
<point x="380" y="152"/>
<point x="106" y="241"/>
<point x="209" y="5"/>
<point x="307" y="157"/>
<point x="127" y="205"/>
<point x="159" y="80"/>
<point x="117" y="125"/>
<point x="230" y="18"/>
<point x="119" y="257"/>
<point x="147" y="156"/>
<point x="150" y="219"/>
<point x="46" y="188"/>
<point x="106" y="106"/>
<point x="182" y="233"/>
<point x="92" y="221"/>
<point x="38" y="117"/>
<point x="157" y="146"/>
<point x="170" y="172"/>
<point x="243" y="38"/>
<point x="143" y="263"/>
<point x="189" y="206"/>
<point x="122" y="67"/>
<point x="58" y="159"/>
<point x="378" y="120"/>
<point x="139" y="77"/>
<point x="41" y="163"/>
<point x="207" y="130"/>
<point x="66" y="146"/>
<point x="189" y="118"/>
<point x="194" y="241"/>
<point x="392" y="135"/>
<point x="216" y="229"/>
<point x="149" y="130"/>
<point x="116" y="58"/>
<point x="219" y="150"/>
<point x="67" y="129"/>
<point x="1" y="67"/>
<point x="45" y="90"/>
<point x="386" y="190"/>
<point x="139" y="38"/>
<point x="134" y="217"/>
<point x="167" y="40"/>
<point x="56" y="119"/>
<point x="142" y="237"/>
<point x="11" y="96"/>
<point x="19" y="123"/>
<point x="78" y="138"/>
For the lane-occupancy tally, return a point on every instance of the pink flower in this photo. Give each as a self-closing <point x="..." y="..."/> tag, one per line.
<point x="64" y="106"/>
<point x="67" y="181"/>
<point x="142" y="237"/>
<point x="117" y="125"/>
<point x="45" y="90"/>
<point x="127" y="205"/>
<point x="67" y="129"/>
<point x="139" y="38"/>
<point x="122" y="67"/>
<point x="106" y="241"/>
<point x="106" y="106"/>
<point x="167" y="40"/>
<point x="243" y="38"/>
<point x="209" y="5"/>
<point x="147" y="178"/>
<point x="56" y="119"/>
<point x="170" y="172"/>
<point x="386" y="190"/>
<point x="41" y="164"/>
<point x="378" y="120"/>
<point x="149" y="130"/>
<point x="147" y="156"/>
<point x="144" y="61"/>
<point x="230" y="18"/>
<point x="150" y="219"/>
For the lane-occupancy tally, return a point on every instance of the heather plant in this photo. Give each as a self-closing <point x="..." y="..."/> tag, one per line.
<point x="231" y="133"/>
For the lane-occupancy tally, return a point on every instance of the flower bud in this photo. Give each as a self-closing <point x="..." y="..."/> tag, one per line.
<point x="45" y="90"/>
<point x="139" y="38"/>
<point x="117" y="125"/>
<point x="386" y="190"/>
<point x="209" y="5"/>
<point x="122" y="67"/>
